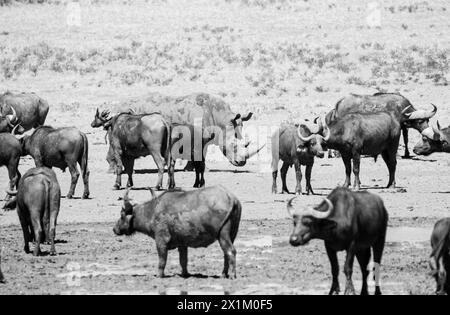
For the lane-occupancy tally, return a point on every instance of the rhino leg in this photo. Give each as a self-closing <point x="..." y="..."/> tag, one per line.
<point x="183" y="251"/>
<point x="75" y="174"/>
<point x="229" y="252"/>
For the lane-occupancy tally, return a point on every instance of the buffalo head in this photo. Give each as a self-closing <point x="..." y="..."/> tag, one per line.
<point x="125" y="224"/>
<point x="10" y="123"/>
<point x="313" y="143"/>
<point x="100" y="118"/>
<point x="434" y="139"/>
<point x="310" y="222"/>
<point x="418" y="119"/>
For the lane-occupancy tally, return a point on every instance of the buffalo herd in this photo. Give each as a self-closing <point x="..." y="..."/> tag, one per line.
<point x="183" y="128"/>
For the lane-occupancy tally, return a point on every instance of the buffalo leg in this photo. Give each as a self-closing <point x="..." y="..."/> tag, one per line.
<point x="26" y="231"/>
<point x="363" y="257"/>
<point x="85" y="171"/>
<point x="391" y="162"/>
<point x="332" y="256"/>
<point x="348" y="168"/>
<point x="308" y="172"/>
<point x="119" y="165"/>
<point x="405" y="141"/>
<point x="37" y="229"/>
<point x="52" y="232"/>
<point x="128" y="164"/>
<point x="284" y="170"/>
<point x="348" y="270"/>
<point x="111" y="161"/>
<point x="199" y="174"/>
<point x="183" y="251"/>
<point x="202" y="166"/>
<point x="298" y="175"/>
<point x="378" y="248"/>
<point x="274" y="182"/>
<point x="160" y="162"/>
<point x="75" y="174"/>
<point x="171" y="173"/>
<point x="356" y="166"/>
<point x="229" y="252"/>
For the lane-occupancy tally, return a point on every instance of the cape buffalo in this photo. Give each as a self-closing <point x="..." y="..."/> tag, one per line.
<point x="352" y="221"/>
<point x="61" y="148"/>
<point x="294" y="145"/>
<point x="354" y="135"/>
<point x="434" y="139"/>
<point x="397" y="105"/>
<point x="182" y="219"/>
<point x="25" y="109"/>
<point x="212" y="122"/>
<point x="440" y="256"/>
<point x="10" y="152"/>
<point x="134" y="136"/>
<point x="38" y="200"/>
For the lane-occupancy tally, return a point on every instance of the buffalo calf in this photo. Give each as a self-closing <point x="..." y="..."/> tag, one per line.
<point x="37" y="200"/>
<point x="352" y="221"/>
<point x="182" y="219"/>
<point x="440" y="256"/>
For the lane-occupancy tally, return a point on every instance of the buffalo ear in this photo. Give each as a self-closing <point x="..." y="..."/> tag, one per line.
<point x="247" y="118"/>
<point x="327" y="225"/>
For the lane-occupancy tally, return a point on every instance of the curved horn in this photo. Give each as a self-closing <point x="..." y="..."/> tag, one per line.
<point x="11" y="193"/>
<point x="319" y="214"/>
<point x="328" y="133"/>
<point x="404" y="111"/>
<point x="437" y="129"/>
<point x="246" y="118"/>
<point x="13" y="131"/>
<point x="13" y="117"/>
<point x="304" y="139"/>
<point x="289" y="207"/>
<point x="422" y="114"/>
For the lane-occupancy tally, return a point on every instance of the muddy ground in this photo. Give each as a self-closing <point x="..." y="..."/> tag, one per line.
<point x="282" y="60"/>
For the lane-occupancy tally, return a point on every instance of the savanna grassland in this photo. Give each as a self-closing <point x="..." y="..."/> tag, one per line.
<point x="281" y="59"/>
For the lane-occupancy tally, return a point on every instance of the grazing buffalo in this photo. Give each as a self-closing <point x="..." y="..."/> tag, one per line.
<point x="434" y="139"/>
<point x="10" y="152"/>
<point x="397" y="105"/>
<point x="134" y="136"/>
<point x="2" y="278"/>
<point x="354" y="135"/>
<point x="294" y="145"/>
<point x="352" y="221"/>
<point x="209" y="120"/>
<point x="25" y="109"/>
<point x="61" y="148"/>
<point x="440" y="256"/>
<point x="182" y="219"/>
<point x="37" y="201"/>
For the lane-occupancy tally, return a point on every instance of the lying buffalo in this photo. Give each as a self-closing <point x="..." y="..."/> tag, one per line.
<point x="395" y="104"/>
<point x="10" y="152"/>
<point x="440" y="256"/>
<point x="352" y="221"/>
<point x="180" y="219"/>
<point x="134" y="136"/>
<point x="354" y="135"/>
<point x="25" y="109"/>
<point x="209" y="120"/>
<point x="434" y="139"/>
<point x="61" y="148"/>
<point x="294" y="145"/>
<point x="37" y="201"/>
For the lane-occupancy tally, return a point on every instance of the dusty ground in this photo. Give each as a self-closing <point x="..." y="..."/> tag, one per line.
<point x="178" y="49"/>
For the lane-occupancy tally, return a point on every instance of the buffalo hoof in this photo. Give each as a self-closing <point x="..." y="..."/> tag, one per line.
<point x="377" y="291"/>
<point x="69" y="196"/>
<point x="116" y="187"/>
<point x="285" y="191"/>
<point x="26" y="249"/>
<point x="185" y="274"/>
<point x="53" y="253"/>
<point x="158" y="187"/>
<point x="85" y="196"/>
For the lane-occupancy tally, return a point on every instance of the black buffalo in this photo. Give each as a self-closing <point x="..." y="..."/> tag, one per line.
<point x="395" y="104"/>
<point x="294" y="145"/>
<point x="434" y="139"/>
<point x="133" y="136"/>
<point x="354" y="135"/>
<point x="38" y="201"/>
<point x="352" y="221"/>
<point x="10" y="152"/>
<point x="61" y="148"/>
<point x="440" y="256"/>
<point x="26" y="110"/>
<point x="180" y="219"/>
